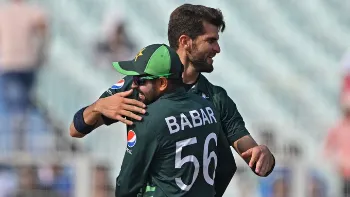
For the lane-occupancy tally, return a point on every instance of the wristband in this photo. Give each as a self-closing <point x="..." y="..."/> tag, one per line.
<point x="80" y="124"/>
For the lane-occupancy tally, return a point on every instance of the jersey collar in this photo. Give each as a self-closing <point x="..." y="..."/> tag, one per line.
<point x="200" y="86"/>
<point x="177" y="92"/>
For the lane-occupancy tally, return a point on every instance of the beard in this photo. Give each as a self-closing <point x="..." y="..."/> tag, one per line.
<point x="198" y="61"/>
<point x="147" y="98"/>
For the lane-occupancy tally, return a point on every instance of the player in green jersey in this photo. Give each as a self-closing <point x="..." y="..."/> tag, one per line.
<point x="176" y="145"/>
<point x="194" y="32"/>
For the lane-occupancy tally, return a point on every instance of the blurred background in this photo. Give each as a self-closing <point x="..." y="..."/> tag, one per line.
<point x="285" y="63"/>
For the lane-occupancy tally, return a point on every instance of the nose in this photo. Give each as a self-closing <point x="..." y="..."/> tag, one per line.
<point x="217" y="47"/>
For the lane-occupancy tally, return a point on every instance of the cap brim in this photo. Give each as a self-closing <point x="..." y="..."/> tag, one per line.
<point x="126" y="68"/>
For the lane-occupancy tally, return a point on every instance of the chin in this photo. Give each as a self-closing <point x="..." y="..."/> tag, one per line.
<point x="207" y="69"/>
<point x="211" y="69"/>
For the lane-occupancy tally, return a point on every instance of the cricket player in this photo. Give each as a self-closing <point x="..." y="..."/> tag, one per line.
<point x="175" y="146"/>
<point x="193" y="31"/>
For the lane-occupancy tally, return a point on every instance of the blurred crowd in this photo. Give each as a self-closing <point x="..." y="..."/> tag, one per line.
<point x="283" y="180"/>
<point x="24" y="127"/>
<point x="31" y="180"/>
<point x="113" y="44"/>
<point x="54" y="180"/>
<point x="23" y="41"/>
<point x="337" y="146"/>
<point x="24" y="45"/>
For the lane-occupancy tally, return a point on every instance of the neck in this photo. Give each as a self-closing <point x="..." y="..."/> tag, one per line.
<point x="189" y="75"/>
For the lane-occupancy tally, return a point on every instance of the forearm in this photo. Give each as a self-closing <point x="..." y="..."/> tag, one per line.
<point x="92" y="115"/>
<point x="258" y="157"/>
<point x="91" y="119"/>
<point x="243" y="144"/>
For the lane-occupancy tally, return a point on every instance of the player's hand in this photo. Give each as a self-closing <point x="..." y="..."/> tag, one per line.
<point x="260" y="157"/>
<point x="118" y="106"/>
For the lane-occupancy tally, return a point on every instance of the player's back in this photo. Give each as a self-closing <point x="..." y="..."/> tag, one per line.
<point x="185" y="162"/>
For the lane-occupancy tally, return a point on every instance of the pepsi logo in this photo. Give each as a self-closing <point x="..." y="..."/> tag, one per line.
<point x="131" y="139"/>
<point x="118" y="85"/>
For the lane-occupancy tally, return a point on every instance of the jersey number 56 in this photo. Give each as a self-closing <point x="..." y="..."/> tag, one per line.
<point x="191" y="158"/>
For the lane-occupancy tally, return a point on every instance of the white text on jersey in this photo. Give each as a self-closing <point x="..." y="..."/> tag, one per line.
<point x="198" y="118"/>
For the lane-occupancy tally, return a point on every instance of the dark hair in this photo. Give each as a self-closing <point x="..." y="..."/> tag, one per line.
<point x="188" y="20"/>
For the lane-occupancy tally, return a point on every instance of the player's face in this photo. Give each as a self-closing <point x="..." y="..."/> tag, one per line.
<point x="147" y="89"/>
<point x="204" y="48"/>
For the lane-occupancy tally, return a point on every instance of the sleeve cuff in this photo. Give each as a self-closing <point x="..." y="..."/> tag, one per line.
<point x="238" y="135"/>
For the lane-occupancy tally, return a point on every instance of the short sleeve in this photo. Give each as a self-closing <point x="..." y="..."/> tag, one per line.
<point x="231" y="120"/>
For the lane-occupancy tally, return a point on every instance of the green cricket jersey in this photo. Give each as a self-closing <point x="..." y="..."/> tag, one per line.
<point x="174" y="147"/>
<point x="232" y="121"/>
<point x="232" y="124"/>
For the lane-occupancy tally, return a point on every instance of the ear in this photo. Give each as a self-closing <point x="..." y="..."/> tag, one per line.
<point x="185" y="42"/>
<point x="163" y="84"/>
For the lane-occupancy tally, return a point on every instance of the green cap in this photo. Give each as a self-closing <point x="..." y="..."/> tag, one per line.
<point x="157" y="60"/>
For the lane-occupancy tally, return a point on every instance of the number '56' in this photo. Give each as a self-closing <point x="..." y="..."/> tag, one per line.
<point x="191" y="158"/>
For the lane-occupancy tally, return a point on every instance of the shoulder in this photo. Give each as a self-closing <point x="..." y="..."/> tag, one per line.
<point x="215" y="89"/>
<point x="153" y="122"/>
<point x="159" y="109"/>
<point x="221" y="100"/>
<point x="121" y="85"/>
<point x="163" y="108"/>
<point x="199" y="101"/>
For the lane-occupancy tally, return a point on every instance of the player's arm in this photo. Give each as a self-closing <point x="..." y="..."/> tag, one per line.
<point x="137" y="160"/>
<point x="113" y="106"/>
<point x="258" y="157"/>
<point x="106" y="111"/>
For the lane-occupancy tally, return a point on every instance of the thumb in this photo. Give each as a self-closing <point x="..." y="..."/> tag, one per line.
<point x="125" y="93"/>
<point x="247" y="153"/>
